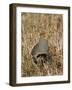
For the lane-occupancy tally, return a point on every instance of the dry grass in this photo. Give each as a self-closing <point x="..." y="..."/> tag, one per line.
<point x="50" y="27"/>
